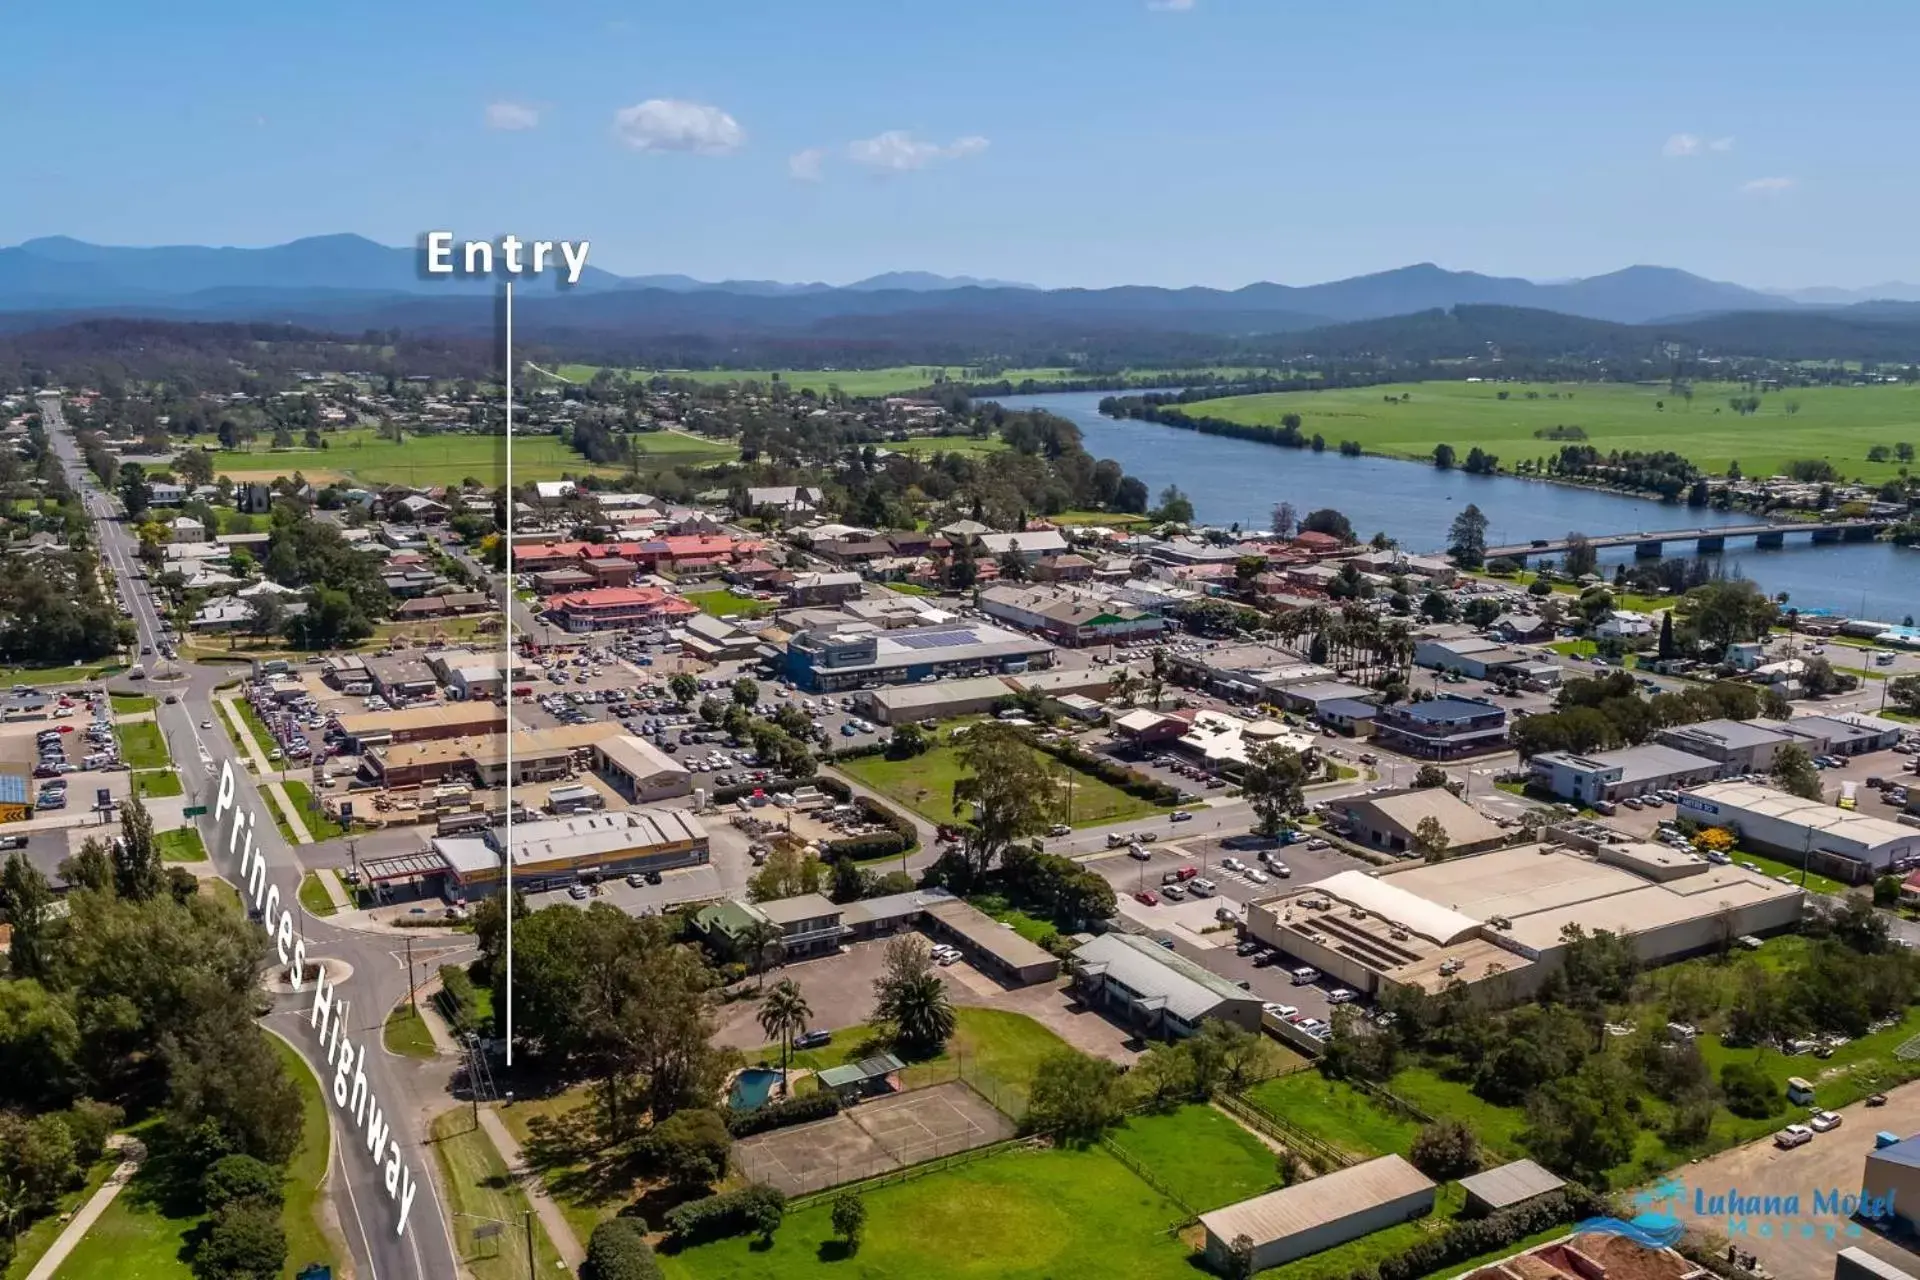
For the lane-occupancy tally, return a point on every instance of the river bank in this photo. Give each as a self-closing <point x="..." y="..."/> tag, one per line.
<point x="1233" y="481"/>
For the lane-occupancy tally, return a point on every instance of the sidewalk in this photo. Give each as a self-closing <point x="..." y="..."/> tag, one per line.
<point x="237" y="732"/>
<point x="90" y="1212"/>
<point x="288" y="810"/>
<point x="558" y="1229"/>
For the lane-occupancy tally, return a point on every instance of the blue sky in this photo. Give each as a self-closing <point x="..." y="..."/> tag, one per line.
<point x="1063" y="142"/>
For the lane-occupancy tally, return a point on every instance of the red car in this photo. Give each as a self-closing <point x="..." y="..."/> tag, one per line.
<point x="1147" y="898"/>
<point x="1187" y="873"/>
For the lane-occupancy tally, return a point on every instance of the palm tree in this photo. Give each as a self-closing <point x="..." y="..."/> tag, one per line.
<point x="760" y="943"/>
<point x="783" y="1015"/>
<point x="917" y="1006"/>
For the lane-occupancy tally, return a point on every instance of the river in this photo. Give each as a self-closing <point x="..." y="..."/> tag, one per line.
<point x="1240" y="481"/>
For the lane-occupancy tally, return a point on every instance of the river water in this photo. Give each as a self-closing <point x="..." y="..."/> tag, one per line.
<point x="1240" y="481"/>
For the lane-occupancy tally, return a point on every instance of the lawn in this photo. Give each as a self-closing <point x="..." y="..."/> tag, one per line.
<point x="318" y="824"/>
<point x="965" y="446"/>
<point x="1816" y="883"/>
<point x="128" y="704"/>
<point x="251" y="725"/>
<point x="181" y="845"/>
<point x="1021" y="1215"/>
<point x="314" y="896"/>
<point x="1497" y="1128"/>
<point x="1838" y="424"/>
<point x="479" y="1190"/>
<point x="406" y="1033"/>
<point x="1336" y="1113"/>
<point x="725" y="604"/>
<point x="155" y="783"/>
<point x="924" y="783"/>
<point x="141" y="745"/>
<point x="1107" y="519"/>
<point x="1587" y="649"/>
<point x="71" y="674"/>
<point x="35" y="1240"/>
<point x="451" y="458"/>
<point x="1200" y="1155"/>
<point x="143" y="1233"/>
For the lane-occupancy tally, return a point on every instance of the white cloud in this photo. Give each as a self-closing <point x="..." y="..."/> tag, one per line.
<point x="668" y="124"/>
<point x="1767" y="186"/>
<point x="805" y="165"/>
<point x="512" y="116"/>
<point x="1170" y="6"/>
<point x="1682" y="145"/>
<point x="897" y="151"/>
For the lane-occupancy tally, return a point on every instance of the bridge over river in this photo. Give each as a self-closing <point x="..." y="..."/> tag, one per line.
<point x="1653" y="545"/>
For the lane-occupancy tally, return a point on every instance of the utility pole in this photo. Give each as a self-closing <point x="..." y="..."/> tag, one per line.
<point x="527" y="1222"/>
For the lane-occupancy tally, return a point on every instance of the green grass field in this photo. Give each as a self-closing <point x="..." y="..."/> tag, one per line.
<point x="156" y="783"/>
<point x="70" y="674"/>
<point x="725" y="604"/>
<point x="318" y="824"/>
<point x="34" y="1241"/>
<point x="965" y="446"/>
<point x="1200" y="1155"/>
<point x="1336" y="1113"/>
<point x="406" y="1033"/>
<point x="1838" y="424"/>
<point x="449" y="458"/>
<point x="254" y="727"/>
<point x="314" y="896"/>
<point x="924" y="783"/>
<point x="1017" y="1215"/>
<point x="141" y="745"/>
<point x="127" y="704"/>
<point x="480" y="1190"/>
<point x="181" y="845"/>
<point x="143" y="1233"/>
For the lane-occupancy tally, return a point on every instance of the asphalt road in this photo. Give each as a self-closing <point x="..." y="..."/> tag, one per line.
<point x="410" y="1089"/>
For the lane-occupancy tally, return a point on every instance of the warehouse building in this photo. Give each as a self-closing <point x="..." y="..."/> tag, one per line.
<point x="1742" y="746"/>
<point x="1245" y="671"/>
<point x="1614" y="775"/>
<point x="1892" y="1179"/>
<point x="640" y="771"/>
<point x="941" y="700"/>
<point x="860" y="655"/>
<point x="539" y="755"/>
<point x="1154" y="991"/>
<point x="1392" y="822"/>
<point x="1497" y="917"/>
<point x="1845" y="735"/>
<point x="1318" y="1214"/>
<point x="547" y="853"/>
<point x="1772" y="821"/>
<point x="1508" y="1186"/>
<point x="1069" y="617"/>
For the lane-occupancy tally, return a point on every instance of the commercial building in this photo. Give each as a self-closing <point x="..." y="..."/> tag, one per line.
<point x="1319" y="1213"/>
<point x="860" y="655"/>
<point x="1743" y="746"/>
<point x="16" y="795"/>
<point x="714" y="639"/>
<point x="1154" y="991"/>
<point x="1069" y="617"/>
<point x="1392" y="822"/>
<point x="615" y="608"/>
<point x="941" y="700"/>
<point x="1222" y="742"/>
<point x="1245" y="671"/>
<point x="1893" y="1178"/>
<point x="547" y="853"/>
<point x="1445" y="728"/>
<point x="808" y="589"/>
<point x="1614" y="775"/>
<point x="807" y="924"/>
<point x="398" y="676"/>
<point x="539" y="755"/>
<point x="363" y="730"/>
<point x="1309" y="699"/>
<point x="1853" y="845"/>
<point x="1497" y="918"/>
<point x="1844" y="735"/>
<point x="640" y="771"/>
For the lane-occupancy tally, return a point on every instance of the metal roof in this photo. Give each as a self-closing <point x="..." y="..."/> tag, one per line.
<point x="1511" y="1183"/>
<point x="804" y="906"/>
<point x="1153" y="973"/>
<point x="877" y="1067"/>
<point x="1317" y="1201"/>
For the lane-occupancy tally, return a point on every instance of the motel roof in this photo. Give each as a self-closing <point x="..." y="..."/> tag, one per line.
<point x="1190" y="991"/>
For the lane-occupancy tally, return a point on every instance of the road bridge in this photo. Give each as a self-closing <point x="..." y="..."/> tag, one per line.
<point x="1653" y="545"/>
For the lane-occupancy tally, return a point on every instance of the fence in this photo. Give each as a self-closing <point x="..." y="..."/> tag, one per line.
<point x="906" y="1173"/>
<point x="869" y="1147"/>
<point x="1321" y="1154"/>
<point x="1145" y="1173"/>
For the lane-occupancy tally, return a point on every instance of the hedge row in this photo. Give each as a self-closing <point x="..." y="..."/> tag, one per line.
<point x="1469" y="1238"/>
<point x="457" y="998"/>
<point x="731" y="1213"/>
<point x="1138" y="785"/>
<point x="778" y="1115"/>
<point x="900" y="837"/>
<point x="618" y="1250"/>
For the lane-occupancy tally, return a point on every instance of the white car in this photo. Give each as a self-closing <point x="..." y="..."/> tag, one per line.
<point x="1822" y="1121"/>
<point x="1794" y="1135"/>
<point x="1233" y="864"/>
<point x="1279" y="1010"/>
<point x="1256" y="877"/>
<point x="1340" y="995"/>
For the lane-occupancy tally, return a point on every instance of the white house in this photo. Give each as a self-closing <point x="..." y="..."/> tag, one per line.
<point x="186" y="529"/>
<point x="1624" y="624"/>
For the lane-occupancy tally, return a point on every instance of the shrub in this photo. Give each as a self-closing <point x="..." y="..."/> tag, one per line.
<point x="778" y="1115"/>
<point x="1465" y="1239"/>
<point x="1749" y="1091"/>
<point x="617" y="1250"/>
<point x="1445" y="1150"/>
<point x="243" y="1240"/>
<point x="731" y="1213"/>
<point x="690" y="1147"/>
<point x="1138" y="785"/>
<point x="242" y="1180"/>
<point x="90" y="1123"/>
<point x="456" y="995"/>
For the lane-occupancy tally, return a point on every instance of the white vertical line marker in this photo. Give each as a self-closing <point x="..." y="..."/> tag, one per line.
<point x="506" y="606"/>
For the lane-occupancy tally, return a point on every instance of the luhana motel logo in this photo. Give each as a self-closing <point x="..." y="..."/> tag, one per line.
<point x="1819" y="1213"/>
<point x="327" y="1016"/>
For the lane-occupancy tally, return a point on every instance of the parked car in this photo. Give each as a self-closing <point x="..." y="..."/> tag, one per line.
<point x="1305" y="975"/>
<point x="1147" y="898"/>
<point x="1794" y="1135"/>
<point x="1823" y="1121"/>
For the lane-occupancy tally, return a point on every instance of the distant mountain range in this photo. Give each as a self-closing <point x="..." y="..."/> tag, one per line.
<point x="348" y="281"/>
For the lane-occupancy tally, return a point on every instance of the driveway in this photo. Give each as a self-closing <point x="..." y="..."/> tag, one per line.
<point x="1832" y="1160"/>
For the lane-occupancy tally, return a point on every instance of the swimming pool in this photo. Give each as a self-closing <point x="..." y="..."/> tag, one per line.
<point x="751" y="1088"/>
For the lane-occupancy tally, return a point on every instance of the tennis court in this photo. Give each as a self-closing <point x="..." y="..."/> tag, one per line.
<point x="872" y="1138"/>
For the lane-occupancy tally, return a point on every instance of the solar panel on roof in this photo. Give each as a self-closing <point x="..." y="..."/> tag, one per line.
<point x="939" y="639"/>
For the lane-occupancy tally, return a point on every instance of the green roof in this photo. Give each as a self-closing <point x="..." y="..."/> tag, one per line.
<point x="730" y="918"/>
<point x="881" y="1064"/>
